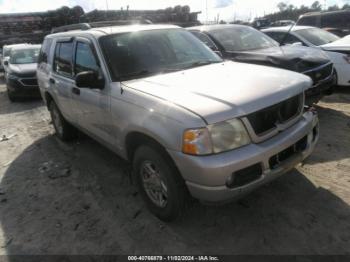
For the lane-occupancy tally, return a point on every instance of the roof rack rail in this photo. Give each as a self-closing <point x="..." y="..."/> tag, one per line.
<point x="65" y="28"/>
<point x="87" y="26"/>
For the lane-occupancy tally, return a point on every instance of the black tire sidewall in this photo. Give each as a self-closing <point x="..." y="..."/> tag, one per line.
<point x="170" y="176"/>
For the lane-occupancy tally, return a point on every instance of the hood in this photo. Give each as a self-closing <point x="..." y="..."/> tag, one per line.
<point x="342" y="44"/>
<point x="223" y="91"/>
<point x="23" y="69"/>
<point x="294" y="58"/>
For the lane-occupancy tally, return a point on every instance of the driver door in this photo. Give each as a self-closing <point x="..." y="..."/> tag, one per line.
<point x="91" y="105"/>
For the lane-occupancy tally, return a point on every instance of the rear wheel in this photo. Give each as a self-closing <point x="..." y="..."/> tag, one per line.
<point x="64" y="130"/>
<point x="159" y="183"/>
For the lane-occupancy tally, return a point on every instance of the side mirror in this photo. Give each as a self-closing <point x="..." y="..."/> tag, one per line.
<point x="6" y="63"/>
<point x="89" y="79"/>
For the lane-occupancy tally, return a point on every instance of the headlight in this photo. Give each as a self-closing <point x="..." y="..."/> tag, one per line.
<point x="216" y="138"/>
<point x="12" y="76"/>
<point x="228" y="135"/>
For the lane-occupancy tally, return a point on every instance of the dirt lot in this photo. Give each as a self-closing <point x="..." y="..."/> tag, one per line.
<point x="76" y="198"/>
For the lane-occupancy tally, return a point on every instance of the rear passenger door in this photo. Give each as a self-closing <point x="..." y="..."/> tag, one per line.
<point x="91" y="106"/>
<point x="62" y="78"/>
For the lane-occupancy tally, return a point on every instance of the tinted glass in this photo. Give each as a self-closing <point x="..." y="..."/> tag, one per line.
<point x="6" y="51"/>
<point x="63" y="58"/>
<point x="45" y="50"/>
<point x="317" y="36"/>
<point x="309" y="20"/>
<point x="205" y="39"/>
<point x="24" y="56"/>
<point x="235" y="39"/>
<point x="85" y="59"/>
<point x="141" y="53"/>
<point x="281" y="36"/>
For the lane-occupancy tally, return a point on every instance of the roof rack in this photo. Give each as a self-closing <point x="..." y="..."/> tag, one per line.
<point x="87" y="26"/>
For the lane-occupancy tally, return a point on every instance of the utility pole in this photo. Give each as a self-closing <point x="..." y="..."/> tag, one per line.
<point x="206" y="8"/>
<point x="107" y="7"/>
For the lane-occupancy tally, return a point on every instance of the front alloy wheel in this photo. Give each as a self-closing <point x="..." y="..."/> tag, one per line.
<point x="159" y="182"/>
<point x="153" y="184"/>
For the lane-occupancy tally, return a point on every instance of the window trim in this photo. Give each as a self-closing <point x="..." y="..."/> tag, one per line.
<point x="93" y="49"/>
<point x="60" y="41"/>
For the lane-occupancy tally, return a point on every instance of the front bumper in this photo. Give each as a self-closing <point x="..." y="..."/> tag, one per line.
<point x="323" y="87"/>
<point x="18" y="89"/>
<point x="207" y="177"/>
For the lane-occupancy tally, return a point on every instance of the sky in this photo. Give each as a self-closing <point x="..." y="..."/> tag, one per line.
<point x="226" y="9"/>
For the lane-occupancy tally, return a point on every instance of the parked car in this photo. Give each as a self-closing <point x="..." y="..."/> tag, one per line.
<point x="261" y="23"/>
<point x="184" y="118"/>
<point x="338" y="49"/>
<point x="282" y="23"/>
<point x="20" y="72"/>
<point x="6" y="50"/>
<point x="245" y="44"/>
<point x="336" y="22"/>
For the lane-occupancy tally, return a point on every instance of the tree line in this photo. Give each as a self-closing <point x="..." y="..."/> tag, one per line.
<point x="291" y="12"/>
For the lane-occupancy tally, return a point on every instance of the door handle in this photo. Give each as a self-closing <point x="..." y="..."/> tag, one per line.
<point x="52" y="81"/>
<point x="76" y="90"/>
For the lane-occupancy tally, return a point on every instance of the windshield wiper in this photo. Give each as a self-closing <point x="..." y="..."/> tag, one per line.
<point x="136" y="74"/>
<point x="201" y="63"/>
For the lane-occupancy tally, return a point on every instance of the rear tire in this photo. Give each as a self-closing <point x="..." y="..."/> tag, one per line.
<point x="64" y="130"/>
<point x="159" y="183"/>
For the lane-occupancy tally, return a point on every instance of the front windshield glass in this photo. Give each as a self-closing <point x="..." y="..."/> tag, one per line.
<point x="6" y="51"/>
<point x="238" y="39"/>
<point x="142" y="53"/>
<point x="24" y="56"/>
<point x="317" y="36"/>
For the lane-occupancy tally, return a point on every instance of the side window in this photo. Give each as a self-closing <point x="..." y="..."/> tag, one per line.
<point x="63" y="59"/>
<point x="291" y="39"/>
<point x="309" y="20"/>
<point x="45" y="51"/>
<point x="206" y="40"/>
<point x="85" y="59"/>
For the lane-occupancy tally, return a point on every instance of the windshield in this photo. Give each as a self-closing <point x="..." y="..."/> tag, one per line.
<point x="317" y="36"/>
<point x="24" y="56"/>
<point x="141" y="53"/>
<point x="236" y="39"/>
<point x="6" y="51"/>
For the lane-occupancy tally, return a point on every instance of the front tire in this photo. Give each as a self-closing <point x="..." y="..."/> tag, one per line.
<point x="159" y="183"/>
<point x="64" y="130"/>
<point x="10" y="95"/>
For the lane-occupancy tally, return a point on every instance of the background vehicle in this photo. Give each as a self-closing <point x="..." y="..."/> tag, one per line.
<point x="282" y="23"/>
<point x="245" y="44"/>
<point x="336" y="22"/>
<point x="261" y="23"/>
<point x="20" y="72"/>
<point x="338" y="49"/>
<point x="188" y="121"/>
<point x="6" y="50"/>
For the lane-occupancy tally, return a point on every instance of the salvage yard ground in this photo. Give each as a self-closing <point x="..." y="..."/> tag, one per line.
<point x="76" y="198"/>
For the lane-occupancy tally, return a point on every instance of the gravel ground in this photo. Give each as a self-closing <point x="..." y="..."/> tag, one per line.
<point x="76" y="198"/>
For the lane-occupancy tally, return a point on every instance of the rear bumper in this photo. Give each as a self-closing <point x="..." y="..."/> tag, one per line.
<point x="18" y="89"/>
<point x="207" y="177"/>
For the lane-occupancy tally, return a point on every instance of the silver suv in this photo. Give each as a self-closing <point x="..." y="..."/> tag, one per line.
<point x="190" y="123"/>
